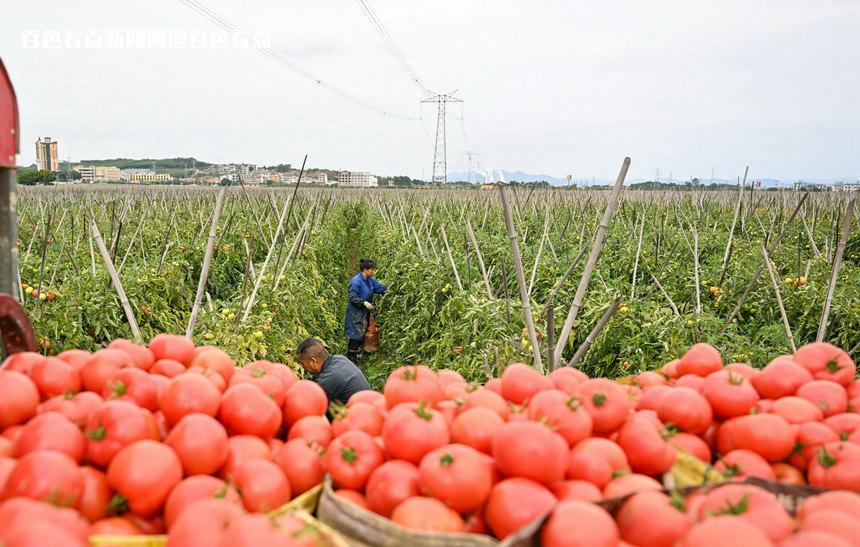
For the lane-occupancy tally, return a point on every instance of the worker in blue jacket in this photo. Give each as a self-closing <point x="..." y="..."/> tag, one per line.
<point x="362" y="287"/>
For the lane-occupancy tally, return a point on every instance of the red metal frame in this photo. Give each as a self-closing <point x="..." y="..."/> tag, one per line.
<point x="9" y="134"/>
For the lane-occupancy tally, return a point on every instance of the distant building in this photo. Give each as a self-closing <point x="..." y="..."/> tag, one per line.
<point x="46" y="154"/>
<point x="809" y="187"/>
<point x="846" y="186"/>
<point x="91" y="174"/>
<point x="307" y="178"/>
<point x="138" y="176"/>
<point x="350" y="179"/>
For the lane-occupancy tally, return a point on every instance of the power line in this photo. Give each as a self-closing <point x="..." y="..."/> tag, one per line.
<point x="392" y="47"/>
<point x="211" y="15"/>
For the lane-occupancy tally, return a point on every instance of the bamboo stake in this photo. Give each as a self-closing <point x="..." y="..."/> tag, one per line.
<point x="595" y="332"/>
<point x="636" y="261"/>
<point x="518" y="263"/>
<point x="727" y="255"/>
<point x="563" y="279"/>
<point x="597" y="246"/>
<point x="480" y="259"/>
<point x="834" y="272"/>
<point x="667" y="297"/>
<point x="451" y="258"/>
<point x="539" y="252"/>
<point x="129" y="313"/>
<point x="775" y="286"/>
<point x="207" y="261"/>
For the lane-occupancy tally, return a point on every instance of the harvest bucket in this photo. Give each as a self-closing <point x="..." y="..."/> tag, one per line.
<point x="363" y="528"/>
<point x="371" y="336"/>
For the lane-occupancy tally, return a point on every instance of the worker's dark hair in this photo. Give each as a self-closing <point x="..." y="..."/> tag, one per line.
<point x="366" y="263"/>
<point x="312" y="347"/>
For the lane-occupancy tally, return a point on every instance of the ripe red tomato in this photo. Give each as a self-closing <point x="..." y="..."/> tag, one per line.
<point x="75" y="357"/>
<point x="494" y="384"/>
<point x="530" y="450"/>
<point x="27" y="515"/>
<point x="115" y="526"/>
<point x="701" y="359"/>
<point x="54" y="377"/>
<point x="597" y="461"/>
<point x="828" y="396"/>
<point x="95" y="494"/>
<point x="808" y="439"/>
<point x="172" y="346"/>
<point x="580" y="524"/>
<point x="411" y="430"/>
<point x="390" y="484"/>
<point x="739" y="464"/>
<point x="520" y="382"/>
<point x="19" y="397"/>
<point x="562" y="413"/>
<point x="725" y="530"/>
<point x="448" y="377"/>
<point x="826" y="362"/>
<point x="577" y="490"/>
<point x="189" y="393"/>
<point x="729" y="393"/>
<point x="48" y="476"/>
<point x="427" y="515"/>
<point x="365" y="396"/>
<point x="302" y="463"/>
<point x="796" y="410"/>
<point x="167" y="367"/>
<point x="140" y="356"/>
<point x="651" y="397"/>
<point x="606" y="402"/>
<point x="839" y="500"/>
<point x="262" y="484"/>
<point x="787" y="474"/>
<point x="352" y="496"/>
<point x="304" y="398"/>
<point x="77" y="408"/>
<point x="649" y="378"/>
<point x="216" y="360"/>
<point x="256" y="375"/>
<point x="836" y="466"/>
<point x="768" y="435"/>
<point x="752" y="504"/>
<point x="6" y="466"/>
<point x="144" y="473"/>
<point x="133" y="385"/>
<point x="360" y="416"/>
<point x="486" y="398"/>
<point x="194" y="489"/>
<point x="200" y="441"/>
<point x="780" y="378"/>
<point x="691" y="444"/>
<point x="645" y="446"/>
<point x="456" y="475"/>
<point x="515" y="502"/>
<point x="102" y="367"/>
<point x="412" y="384"/>
<point x="844" y="424"/>
<point x="624" y="485"/>
<point x="281" y="371"/>
<point x="21" y="362"/>
<point x="687" y="409"/>
<point x="241" y="449"/>
<point x="115" y="425"/>
<point x="312" y="428"/>
<point x="202" y="523"/>
<point x="476" y="427"/>
<point x="51" y="431"/>
<point x="245" y="410"/>
<point x="567" y="379"/>
<point x="351" y="457"/>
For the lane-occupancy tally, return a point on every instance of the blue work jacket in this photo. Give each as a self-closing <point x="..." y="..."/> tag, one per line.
<point x="360" y="290"/>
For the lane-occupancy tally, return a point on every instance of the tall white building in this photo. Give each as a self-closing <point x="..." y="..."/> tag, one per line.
<point x="349" y="179"/>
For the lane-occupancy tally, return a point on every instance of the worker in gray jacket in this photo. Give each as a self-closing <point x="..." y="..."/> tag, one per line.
<point x="336" y="374"/>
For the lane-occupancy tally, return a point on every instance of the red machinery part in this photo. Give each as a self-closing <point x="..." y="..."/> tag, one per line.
<point x="8" y="121"/>
<point x="15" y="327"/>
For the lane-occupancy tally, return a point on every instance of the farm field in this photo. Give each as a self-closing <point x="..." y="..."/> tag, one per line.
<point x="673" y="270"/>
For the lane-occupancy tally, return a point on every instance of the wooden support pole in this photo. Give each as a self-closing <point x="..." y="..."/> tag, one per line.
<point x="129" y="313"/>
<point x="848" y="221"/>
<point x="521" y="280"/>
<point x="207" y="261"/>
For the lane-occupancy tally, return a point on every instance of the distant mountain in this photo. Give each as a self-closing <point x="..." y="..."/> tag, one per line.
<point x="166" y="163"/>
<point x="520" y="176"/>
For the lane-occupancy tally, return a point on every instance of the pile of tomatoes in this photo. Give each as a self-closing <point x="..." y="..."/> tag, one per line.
<point x="434" y="453"/>
<point x="136" y="440"/>
<point x="179" y="439"/>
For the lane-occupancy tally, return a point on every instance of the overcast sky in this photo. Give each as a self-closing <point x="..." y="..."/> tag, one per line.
<point x="555" y="87"/>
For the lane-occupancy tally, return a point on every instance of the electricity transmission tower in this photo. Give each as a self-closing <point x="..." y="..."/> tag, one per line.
<point x="440" y="166"/>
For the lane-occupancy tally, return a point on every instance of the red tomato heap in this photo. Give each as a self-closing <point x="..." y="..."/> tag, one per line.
<point x="169" y="438"/>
